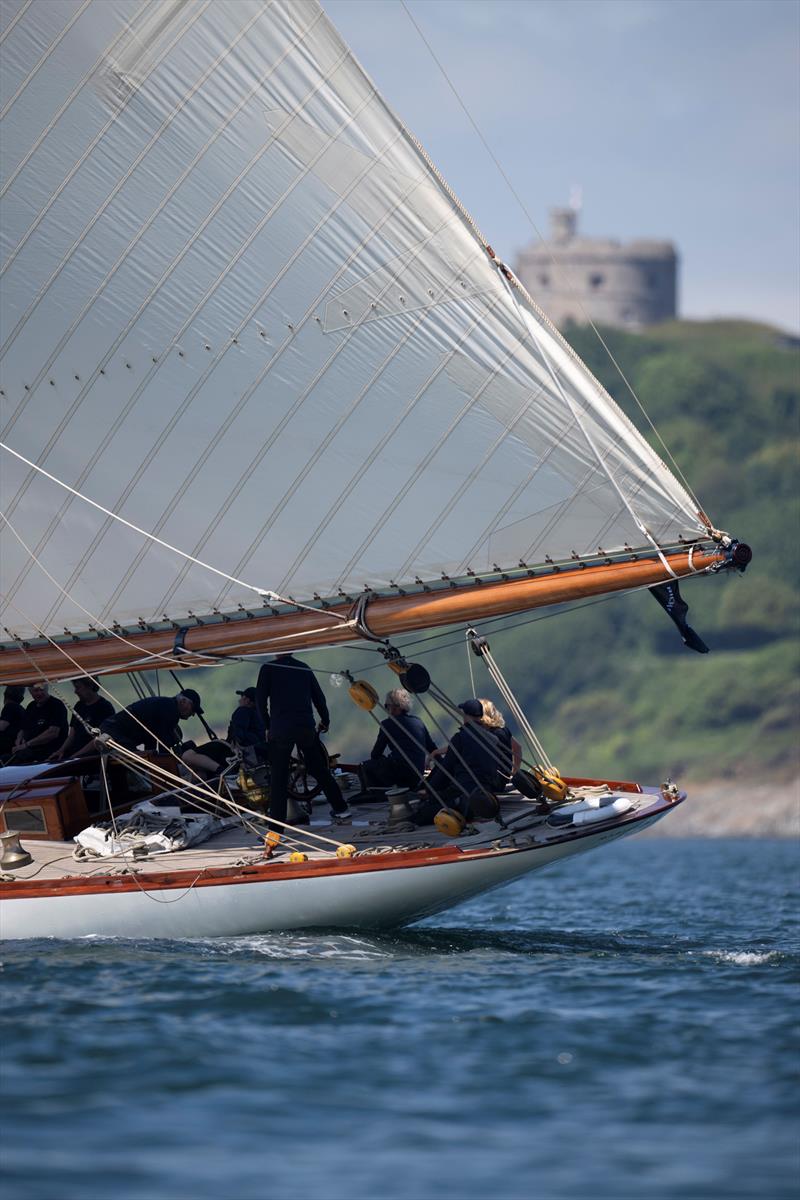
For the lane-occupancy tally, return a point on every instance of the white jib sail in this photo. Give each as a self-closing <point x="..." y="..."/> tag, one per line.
<point x="241" y="312"/>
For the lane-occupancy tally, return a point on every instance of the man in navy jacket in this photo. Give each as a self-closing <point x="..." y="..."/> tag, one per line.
<point x="287" y="694"/>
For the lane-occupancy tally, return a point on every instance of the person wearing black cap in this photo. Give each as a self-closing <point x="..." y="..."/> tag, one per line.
<point x="89" y="711"/>
<point x="246" y="728"/>
<point x="152" y="722"/>
<point x="287" y="693"/>
<point x="469" y="764"/>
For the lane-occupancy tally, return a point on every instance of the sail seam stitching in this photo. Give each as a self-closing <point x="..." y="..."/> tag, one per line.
<point x="59" y="114"/>
<point x="43" y="59"/>
<point x="122" y="416"/>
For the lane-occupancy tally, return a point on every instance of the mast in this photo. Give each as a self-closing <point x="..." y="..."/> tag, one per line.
<point x="387" y="616"/>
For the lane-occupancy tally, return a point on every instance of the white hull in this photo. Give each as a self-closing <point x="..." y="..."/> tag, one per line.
<point x="364" y="899"/>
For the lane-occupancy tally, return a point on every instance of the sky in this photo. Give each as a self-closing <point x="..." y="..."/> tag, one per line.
<point x="676" y="119"/>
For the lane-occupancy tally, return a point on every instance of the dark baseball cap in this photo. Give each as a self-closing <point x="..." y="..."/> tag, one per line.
<point x="194" y="696"/>
<point x="249" y="692"/>
<point x="472" y="708"/>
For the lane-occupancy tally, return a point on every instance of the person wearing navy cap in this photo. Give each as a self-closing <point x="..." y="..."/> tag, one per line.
<point x="246" y="728"/>
<point x="153" y="721"/>
<point x="468" y="764"/>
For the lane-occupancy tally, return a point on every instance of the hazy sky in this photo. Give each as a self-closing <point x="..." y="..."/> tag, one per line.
<point x="678" y="119"/>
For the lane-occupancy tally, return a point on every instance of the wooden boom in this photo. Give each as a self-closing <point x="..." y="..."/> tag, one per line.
<point x="304" y="629"/>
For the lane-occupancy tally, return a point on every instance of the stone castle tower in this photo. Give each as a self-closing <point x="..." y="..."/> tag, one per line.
<point x="573" y="278"/>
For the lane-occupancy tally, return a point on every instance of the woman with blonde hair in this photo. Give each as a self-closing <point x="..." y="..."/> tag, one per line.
<point x="509" y="749"/>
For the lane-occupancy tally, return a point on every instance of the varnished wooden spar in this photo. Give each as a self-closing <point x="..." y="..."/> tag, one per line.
<point x="387" y="616"/>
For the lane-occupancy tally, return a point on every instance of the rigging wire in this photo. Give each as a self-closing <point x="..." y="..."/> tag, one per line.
<point x="541" y="238"/>
<point x="201" y="783"/>
<point x="263" y="593"/>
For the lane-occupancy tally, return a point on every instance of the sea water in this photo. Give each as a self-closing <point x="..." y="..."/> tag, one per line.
<point x="623" y="1025"/>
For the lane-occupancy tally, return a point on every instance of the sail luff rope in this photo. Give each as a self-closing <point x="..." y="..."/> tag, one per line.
<point x="518" y="283"/>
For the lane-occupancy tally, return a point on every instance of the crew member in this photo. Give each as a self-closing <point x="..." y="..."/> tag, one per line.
<point x="466" y="776"/>
<point x="287" y="693"/>
<point x="12" y="715"/>
<point x="90" y="709"/>
<point x="246" y="728"/>
<point x="509" y="749"/>
<point x="401" y="748"/>
<point x="44" y="726"/>
<point x="152" y="722"/>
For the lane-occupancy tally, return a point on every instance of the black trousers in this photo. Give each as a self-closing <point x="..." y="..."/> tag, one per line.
<point x="316" y="760"/>
<point x="385" y="773"/>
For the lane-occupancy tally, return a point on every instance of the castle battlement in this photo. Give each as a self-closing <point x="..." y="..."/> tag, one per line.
<point x="572" y="278"/>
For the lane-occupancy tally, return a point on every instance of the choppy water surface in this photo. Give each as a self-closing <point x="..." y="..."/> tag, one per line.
<point x="622" y="1026"/>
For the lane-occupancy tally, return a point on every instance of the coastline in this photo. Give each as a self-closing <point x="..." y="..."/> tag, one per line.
<point x="735" y="808"/>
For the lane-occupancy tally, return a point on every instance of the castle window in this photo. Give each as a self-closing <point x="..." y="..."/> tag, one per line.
<point x="652" y="281"/>
<point x="596" y="281"/>
<point x="544" y="280"/>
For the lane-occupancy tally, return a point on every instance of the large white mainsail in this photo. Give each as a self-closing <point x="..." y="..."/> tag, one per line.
<point x="241" y="311"/>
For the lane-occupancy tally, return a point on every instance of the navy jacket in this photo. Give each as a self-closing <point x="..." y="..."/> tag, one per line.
<point x="158" y="714"/>
<point x="287" y="694"/>
<point x="91" y="714"/>
<point x="406" y="739"/>
<point x="477" y="747"/>
<point x="39" y="717"/>
<point x="246" y="727"/>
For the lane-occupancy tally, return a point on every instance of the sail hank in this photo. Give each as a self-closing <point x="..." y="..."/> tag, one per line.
<point x="389" y="617"/>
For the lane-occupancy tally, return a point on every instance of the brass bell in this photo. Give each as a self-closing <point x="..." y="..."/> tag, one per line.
<point x="13" y="855"/>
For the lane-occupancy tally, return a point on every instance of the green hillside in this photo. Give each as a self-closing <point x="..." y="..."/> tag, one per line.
<point x="609" y="686"/>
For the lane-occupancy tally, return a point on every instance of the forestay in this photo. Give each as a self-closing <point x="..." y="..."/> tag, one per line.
<point x="241" y="311"/>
